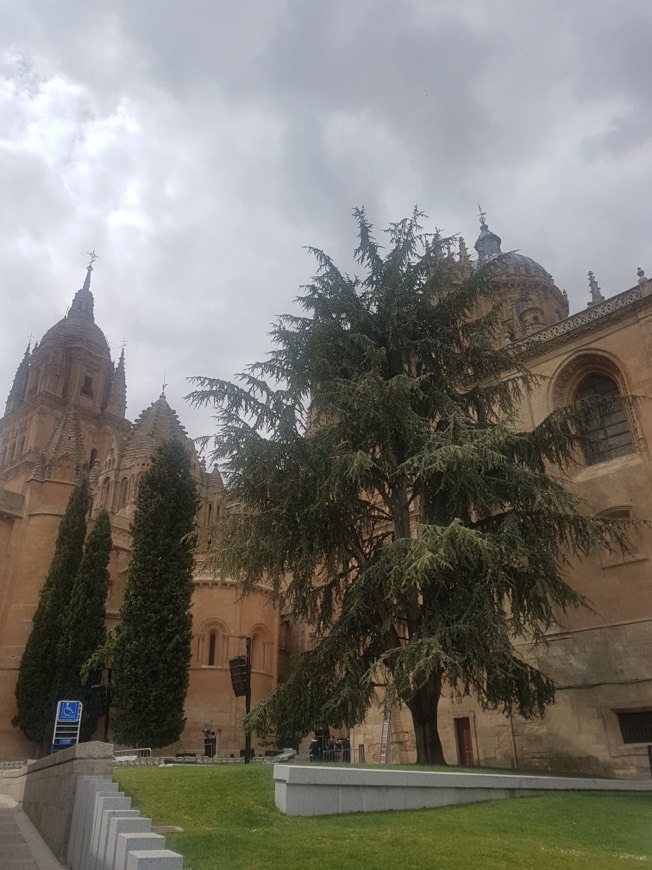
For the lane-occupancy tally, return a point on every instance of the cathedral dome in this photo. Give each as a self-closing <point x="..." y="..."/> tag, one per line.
<point x="76" y="331"/>
<point x="519" y="265"/>
<point x="530" y="298"/>
<point x="78" y="327"/>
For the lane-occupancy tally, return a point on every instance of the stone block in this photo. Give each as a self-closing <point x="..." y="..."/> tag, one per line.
<point x="155" y="859"/>
<point x="82" y="815"/>
<point x="103" y="805"/>
<point x="136" y="842"/>
<point x="123" y="824"/>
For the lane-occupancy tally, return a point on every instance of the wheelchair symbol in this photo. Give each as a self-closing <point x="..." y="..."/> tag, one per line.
<point x="68" y="711"/>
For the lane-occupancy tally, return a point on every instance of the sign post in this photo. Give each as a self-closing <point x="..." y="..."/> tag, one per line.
<point x="66" y="725"/>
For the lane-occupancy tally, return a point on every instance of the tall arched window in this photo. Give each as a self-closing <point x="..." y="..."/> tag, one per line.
<point x="608" y="431"/>
<point x="124" y="483"/>
<point x="212" y="646"/>
<point x="259" y="649"/>
<point x="105" y="495"/>
<point x="213" y="638"/>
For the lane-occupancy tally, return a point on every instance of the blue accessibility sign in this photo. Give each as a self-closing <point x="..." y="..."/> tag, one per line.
<point x="69" y="712"/>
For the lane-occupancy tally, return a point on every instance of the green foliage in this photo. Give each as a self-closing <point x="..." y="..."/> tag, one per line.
<point x="151" y="653"/>
<point x="386" y="492"/>
<point x="36" y="687"/>
<point x="567" y="831"/>
<point x="83" y="625"/>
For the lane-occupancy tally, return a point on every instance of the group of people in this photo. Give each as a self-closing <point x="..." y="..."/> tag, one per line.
<point x="326" y="748"/>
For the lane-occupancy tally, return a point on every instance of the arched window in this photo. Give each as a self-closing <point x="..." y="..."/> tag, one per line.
<point x="213" y="643"/>
<point x="124" y="483"/>
<point x="212" y="646"/>
<point x="608" y="430"/>
<point x="259" y="650"/>
<point x="87" y="385"/>
<point x="630" y="551"/>
<point x="106" y="488"/>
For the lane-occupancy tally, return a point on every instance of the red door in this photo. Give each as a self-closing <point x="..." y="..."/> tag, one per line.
<point x="464" y="742"/>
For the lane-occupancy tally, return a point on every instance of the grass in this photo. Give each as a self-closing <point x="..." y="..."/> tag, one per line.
<point x="229" y="820"/>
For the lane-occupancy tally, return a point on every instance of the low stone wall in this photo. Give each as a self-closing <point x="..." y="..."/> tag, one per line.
<point x="75" y="806"/>
<point x="46" y="788"/>
<point x="107" y="834"/>
<point x="315" y="791"/>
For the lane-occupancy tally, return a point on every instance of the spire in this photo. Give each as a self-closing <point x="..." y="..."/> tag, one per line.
<point x="464" y="254"/>
<point x="488" y="243"/>
<point x="117" y="402"/>
<point x="156" y="424"/>
<point x="596" y="295"/>
<point x="19" y="386"/>
<point x="82" y="304"/>
<point x="437" y="246"/>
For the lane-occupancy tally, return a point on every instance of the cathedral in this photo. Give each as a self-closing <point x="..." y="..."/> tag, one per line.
<point x="65" y="416"/>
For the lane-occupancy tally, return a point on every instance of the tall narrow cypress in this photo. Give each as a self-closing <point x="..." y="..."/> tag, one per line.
<point x="35" y="688"/>
<point x="83" y="628"/>
<point x="151" y="656"/>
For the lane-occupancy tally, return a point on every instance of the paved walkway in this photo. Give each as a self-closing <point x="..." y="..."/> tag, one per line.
<point x="21" y="845"/>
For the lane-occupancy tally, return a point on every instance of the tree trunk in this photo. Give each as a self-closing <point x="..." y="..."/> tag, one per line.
<point x="423" y="707"/>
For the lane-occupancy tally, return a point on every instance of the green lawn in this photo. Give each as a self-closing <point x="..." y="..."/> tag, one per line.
<point x="230" y="821"/>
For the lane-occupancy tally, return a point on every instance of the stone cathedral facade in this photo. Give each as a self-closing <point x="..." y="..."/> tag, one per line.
<point x="65" y="416"/>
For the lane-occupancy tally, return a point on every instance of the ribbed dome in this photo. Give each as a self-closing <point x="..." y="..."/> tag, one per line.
<point x="156" y="424"/>
<point x="519" y="264"/>
<point x="77" y="330"/>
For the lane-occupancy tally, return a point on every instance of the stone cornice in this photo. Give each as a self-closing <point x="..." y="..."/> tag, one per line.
<point x="605" y="313"/>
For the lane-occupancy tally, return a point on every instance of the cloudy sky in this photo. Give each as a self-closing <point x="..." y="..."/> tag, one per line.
<point x="199" y="145"/>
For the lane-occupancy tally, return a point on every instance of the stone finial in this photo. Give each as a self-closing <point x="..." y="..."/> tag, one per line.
<point x="465" y="260"/>
<point x="117" y="401"/>
<point x="596" y="295"/>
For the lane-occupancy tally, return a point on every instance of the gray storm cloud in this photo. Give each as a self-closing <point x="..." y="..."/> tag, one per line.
<point x="199" y="148"/>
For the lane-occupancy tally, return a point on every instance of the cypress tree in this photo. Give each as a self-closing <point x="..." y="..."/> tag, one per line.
<point x="83" y="628"/>
<point x="35" y="687"/>
<point x="151" y="655"/>
<point x="387" y="494"/>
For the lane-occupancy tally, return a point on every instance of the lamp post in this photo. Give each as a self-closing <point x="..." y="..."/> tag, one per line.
<point x="248" y="700"/>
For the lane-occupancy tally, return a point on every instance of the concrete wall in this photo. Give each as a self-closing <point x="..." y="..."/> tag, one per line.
<point x="107" y="834"/>
<point x="46" y="788"/>
<point x="77" y="809"/>
<point x="317" y="791"/>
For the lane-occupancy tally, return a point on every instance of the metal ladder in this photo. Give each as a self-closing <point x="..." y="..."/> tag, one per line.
<point x="386" y="736"/>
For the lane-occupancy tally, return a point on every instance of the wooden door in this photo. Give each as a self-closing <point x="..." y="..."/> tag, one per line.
<point x="464" y="741"/>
